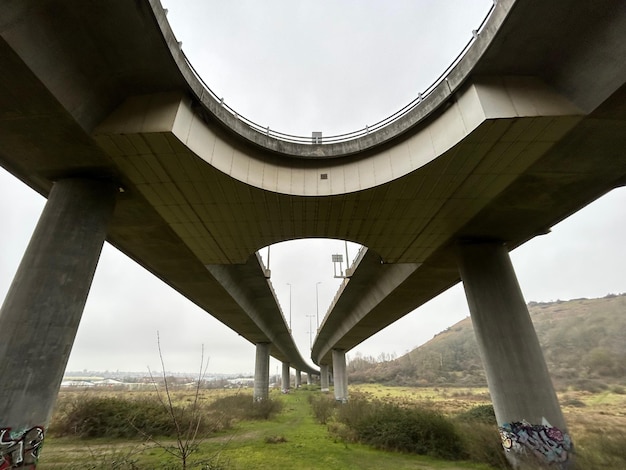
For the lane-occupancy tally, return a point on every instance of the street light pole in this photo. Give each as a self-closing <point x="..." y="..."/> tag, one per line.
<point x="317" y="305"/>
<point x="289" y="307"/>
<point x="310" y="332"/>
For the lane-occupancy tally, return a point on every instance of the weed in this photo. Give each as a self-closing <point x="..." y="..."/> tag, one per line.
<point x="275" y="439"/>
<point x="597" y="449"/>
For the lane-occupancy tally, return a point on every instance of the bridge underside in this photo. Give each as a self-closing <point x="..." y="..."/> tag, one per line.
<point x="527" y="128"/>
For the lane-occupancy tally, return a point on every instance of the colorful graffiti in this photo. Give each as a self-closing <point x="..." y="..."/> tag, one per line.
<point x="20" y="449"/>
<point x="545" y="442"/>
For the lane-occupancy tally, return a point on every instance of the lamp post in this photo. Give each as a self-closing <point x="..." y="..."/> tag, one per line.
<point x="289" y="307"/>
<point x="317" y="305"/>
<point x="310" y="332"/>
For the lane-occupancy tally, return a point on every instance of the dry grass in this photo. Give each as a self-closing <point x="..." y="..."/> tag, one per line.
<point x="596" y="422"/>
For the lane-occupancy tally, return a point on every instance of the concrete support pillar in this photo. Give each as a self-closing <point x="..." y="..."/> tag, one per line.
<point x="309" y="380"/>
<point x="262" y="372"/>
<point x="324" y="378"/>
<point x="298" y="379"/>
<point x="531" y="424"/>
<point x="286" y="377"/>
<point x="43" y="307"/>
<point x="340" y="375"/>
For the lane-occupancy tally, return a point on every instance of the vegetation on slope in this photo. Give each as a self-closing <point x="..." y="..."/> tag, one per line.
<point x="584" y="343"/>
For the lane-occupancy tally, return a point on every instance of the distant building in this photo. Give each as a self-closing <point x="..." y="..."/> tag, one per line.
<point x="76" y="384"/>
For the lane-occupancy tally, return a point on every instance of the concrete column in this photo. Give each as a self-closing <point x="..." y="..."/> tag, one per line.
<point x="44" y="305"/>
<point x="527" y="410"/>
<point x="298" y="379"/>
<point x="286" y="378"/>
<point x="309" y="380"/>
<point x="262" y="372"/>
<point x="324" y="378"/>
<point x="340" y="375"/>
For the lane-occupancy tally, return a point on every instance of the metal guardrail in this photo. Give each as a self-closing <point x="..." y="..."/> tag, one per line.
<point x="265" y="130"/>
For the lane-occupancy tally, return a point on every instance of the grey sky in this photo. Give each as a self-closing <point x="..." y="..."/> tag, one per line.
<point x="298" y="67"/>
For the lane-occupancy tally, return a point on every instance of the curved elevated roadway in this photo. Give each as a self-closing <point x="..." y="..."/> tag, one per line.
<point x="530" y="170"/>
<point x="527" y="128"/>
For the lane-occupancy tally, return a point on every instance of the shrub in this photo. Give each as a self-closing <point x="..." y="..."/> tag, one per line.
<point x="264" y="410"/>
<point x="573" y="402"/>
<point x="590" y="385"/>
<point x="112" y="417"/>
<point x="275" y="439"/>
<point x="418" y="431"/>
<point x="407" y="429"/>
<point x="596" y="450"/>
<point x="355" y="410"/>
<point x="242" y="407"/>
<point x="481" y="413"/>
<point x="121" y="417"/>
<point x="482" y="443"/>
<point x="342" y="433"/>
<point x="323" y="407"/>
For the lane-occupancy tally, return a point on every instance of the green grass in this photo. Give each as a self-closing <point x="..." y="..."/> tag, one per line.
<point x="292" y="439"/>
<point x="309" y="446"/>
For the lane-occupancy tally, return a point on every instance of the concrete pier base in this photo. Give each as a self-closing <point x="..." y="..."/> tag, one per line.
<point x="262" y="372"/>
<point x="298" y="383"/>
<point x="340" y="375"/>
<point x="324" y="378"/>
<point x="527" y="410"/>
<point x="286" y="378"/>
<point x="44" y="305"/>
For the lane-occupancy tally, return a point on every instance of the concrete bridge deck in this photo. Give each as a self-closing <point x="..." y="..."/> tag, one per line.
<point x="526" y="129"/>
<point x="580" y="57"/>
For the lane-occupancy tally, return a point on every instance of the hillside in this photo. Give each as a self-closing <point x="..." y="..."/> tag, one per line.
<point x="584" y="343"/>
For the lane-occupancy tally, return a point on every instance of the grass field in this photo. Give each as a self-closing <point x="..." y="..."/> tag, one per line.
<point x="294" y="439"/>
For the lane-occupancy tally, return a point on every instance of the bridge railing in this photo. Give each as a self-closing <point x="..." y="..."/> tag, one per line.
<point x="355" y="262"/>
<point x="360" y="132"/>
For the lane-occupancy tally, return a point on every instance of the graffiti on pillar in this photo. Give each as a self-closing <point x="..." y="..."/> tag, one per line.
<point x="20" y="449"/>
<point x="543" y="441"/>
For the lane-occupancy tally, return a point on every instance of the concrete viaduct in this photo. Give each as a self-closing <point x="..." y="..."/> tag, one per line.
<point x="101" y="113"/>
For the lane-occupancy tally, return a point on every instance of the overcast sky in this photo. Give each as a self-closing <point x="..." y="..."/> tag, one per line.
<point x="300" y="67"/>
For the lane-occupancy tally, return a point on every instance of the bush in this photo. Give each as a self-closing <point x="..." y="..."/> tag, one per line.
<point x="121" y="417"/>
<point x="481" y="414"/>
<point x="417" y="431"/>
<point x="482" y="443"/>
<point x="112" y="417"/>
<point x="323" y="407"/>
<point x="590" y="385"/>
<point x="392" y="427"/>
<point x="242" y="407"/>
<point x="573" y="402"/>
<point x="355" y="410"/>
<point x="275" y="439"/>
<point x="597" y="449"/>
<point x="342" y="433"/>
